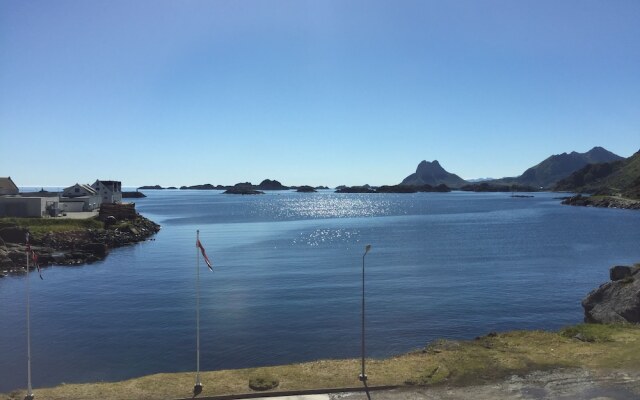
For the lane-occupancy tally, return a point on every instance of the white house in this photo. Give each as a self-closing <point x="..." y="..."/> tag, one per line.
<point x="7" y="186"/>
<point x="109" y="191"/>
<point x="80" y="197"/>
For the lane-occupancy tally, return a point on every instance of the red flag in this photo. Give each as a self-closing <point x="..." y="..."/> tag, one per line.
<point x="34" y="257"/>
<point x="204" y="254"/>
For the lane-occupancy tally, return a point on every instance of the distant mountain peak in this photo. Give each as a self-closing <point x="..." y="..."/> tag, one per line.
<point x="432" y="173"/>
<point x="617" y="177"/>
<point x="559" y="166"/>
<point x="430" y="167"/>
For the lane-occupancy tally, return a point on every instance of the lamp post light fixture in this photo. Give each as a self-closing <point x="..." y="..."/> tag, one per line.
<point x="363" y="376"/>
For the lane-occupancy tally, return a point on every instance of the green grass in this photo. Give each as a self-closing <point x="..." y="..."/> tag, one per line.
<point x="595" y="333"/>
<point x="38" y="226"/>
<point x="263" y="381"/>
<point x="455" y="363"/>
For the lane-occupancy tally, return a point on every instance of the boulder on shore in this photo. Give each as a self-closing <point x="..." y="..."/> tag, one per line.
<point x="616" y="301"/>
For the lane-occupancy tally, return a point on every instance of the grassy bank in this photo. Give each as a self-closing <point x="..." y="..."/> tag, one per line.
<point x="38" y="226"/>
<point x="483" y="360"/>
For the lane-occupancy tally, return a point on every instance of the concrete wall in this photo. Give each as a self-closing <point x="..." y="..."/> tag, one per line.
<point x="23" y="206"/>
<point x="77" y="204"/>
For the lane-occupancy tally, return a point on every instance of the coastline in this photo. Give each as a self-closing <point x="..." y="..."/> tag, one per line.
<point x="583" y="354"/>
<point x="602" y="202"/>
<point x="71" y="246"/>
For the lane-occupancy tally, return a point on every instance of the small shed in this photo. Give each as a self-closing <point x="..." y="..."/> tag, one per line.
<point x="18" y="206"/>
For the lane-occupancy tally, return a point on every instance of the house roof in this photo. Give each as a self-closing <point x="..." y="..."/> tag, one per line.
<point x="86" y="187"/>
<point x="7" y="184"/>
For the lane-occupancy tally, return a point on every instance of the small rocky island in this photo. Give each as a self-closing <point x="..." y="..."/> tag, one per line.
<point x="116" y="225"/>
<point x="243" y="188"/>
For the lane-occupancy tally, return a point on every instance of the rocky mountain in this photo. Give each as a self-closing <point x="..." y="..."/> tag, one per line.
<point x="612" y="178"/>
<point x="432" y="173"/>
<point x="559" y="166"/>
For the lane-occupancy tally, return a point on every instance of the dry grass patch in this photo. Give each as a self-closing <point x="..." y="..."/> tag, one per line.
<point x="483" y="360"/>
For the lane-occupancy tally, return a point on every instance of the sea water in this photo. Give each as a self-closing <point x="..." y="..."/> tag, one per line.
<point x="287" y="281"/>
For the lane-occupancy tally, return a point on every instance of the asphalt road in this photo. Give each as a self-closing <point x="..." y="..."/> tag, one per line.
<point x="554" y="385"/>
<point x="573" y="384"/>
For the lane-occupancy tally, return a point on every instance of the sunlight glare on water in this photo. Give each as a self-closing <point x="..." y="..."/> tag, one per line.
<point x="327" y="206"/>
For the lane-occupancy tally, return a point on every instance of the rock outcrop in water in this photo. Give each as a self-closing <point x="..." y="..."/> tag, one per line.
<point x="616" y="301"/>
<point x="269" y="184"/>
<point x="206" y="186"/>
<point x="151" y="187"/>
<point x="243" y="188"/>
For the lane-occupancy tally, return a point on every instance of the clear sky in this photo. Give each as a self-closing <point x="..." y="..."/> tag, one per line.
<point x="310" y="92"/>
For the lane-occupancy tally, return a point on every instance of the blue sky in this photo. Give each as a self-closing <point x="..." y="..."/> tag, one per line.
<point x="310" y="92"/>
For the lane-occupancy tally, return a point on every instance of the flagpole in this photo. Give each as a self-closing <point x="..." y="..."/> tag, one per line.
<point x="363" y="377"/>
<point x="197" y="389"/>
<point x="29" y="395"/>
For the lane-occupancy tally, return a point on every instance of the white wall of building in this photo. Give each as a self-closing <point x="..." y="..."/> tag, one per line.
<point x="71" y="206"/>
<point x="109" y="191"/>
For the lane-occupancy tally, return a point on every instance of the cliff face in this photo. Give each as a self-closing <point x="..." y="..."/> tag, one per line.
<point x="432" y="173"/>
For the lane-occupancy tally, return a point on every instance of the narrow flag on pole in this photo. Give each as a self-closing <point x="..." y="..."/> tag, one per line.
<point x="34" y="258"/>
<point x="204" y="254"/>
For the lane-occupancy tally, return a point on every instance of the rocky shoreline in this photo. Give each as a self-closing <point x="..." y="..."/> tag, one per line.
<point x="602" y="201"/>
<point x="71" y="248"/>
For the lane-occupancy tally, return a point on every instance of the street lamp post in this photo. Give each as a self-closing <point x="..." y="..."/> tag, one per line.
<point x="197" y="388"/>
<point x="363" y="376"/>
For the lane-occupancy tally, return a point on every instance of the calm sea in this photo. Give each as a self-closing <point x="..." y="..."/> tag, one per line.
<point x="286" y="286"/>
